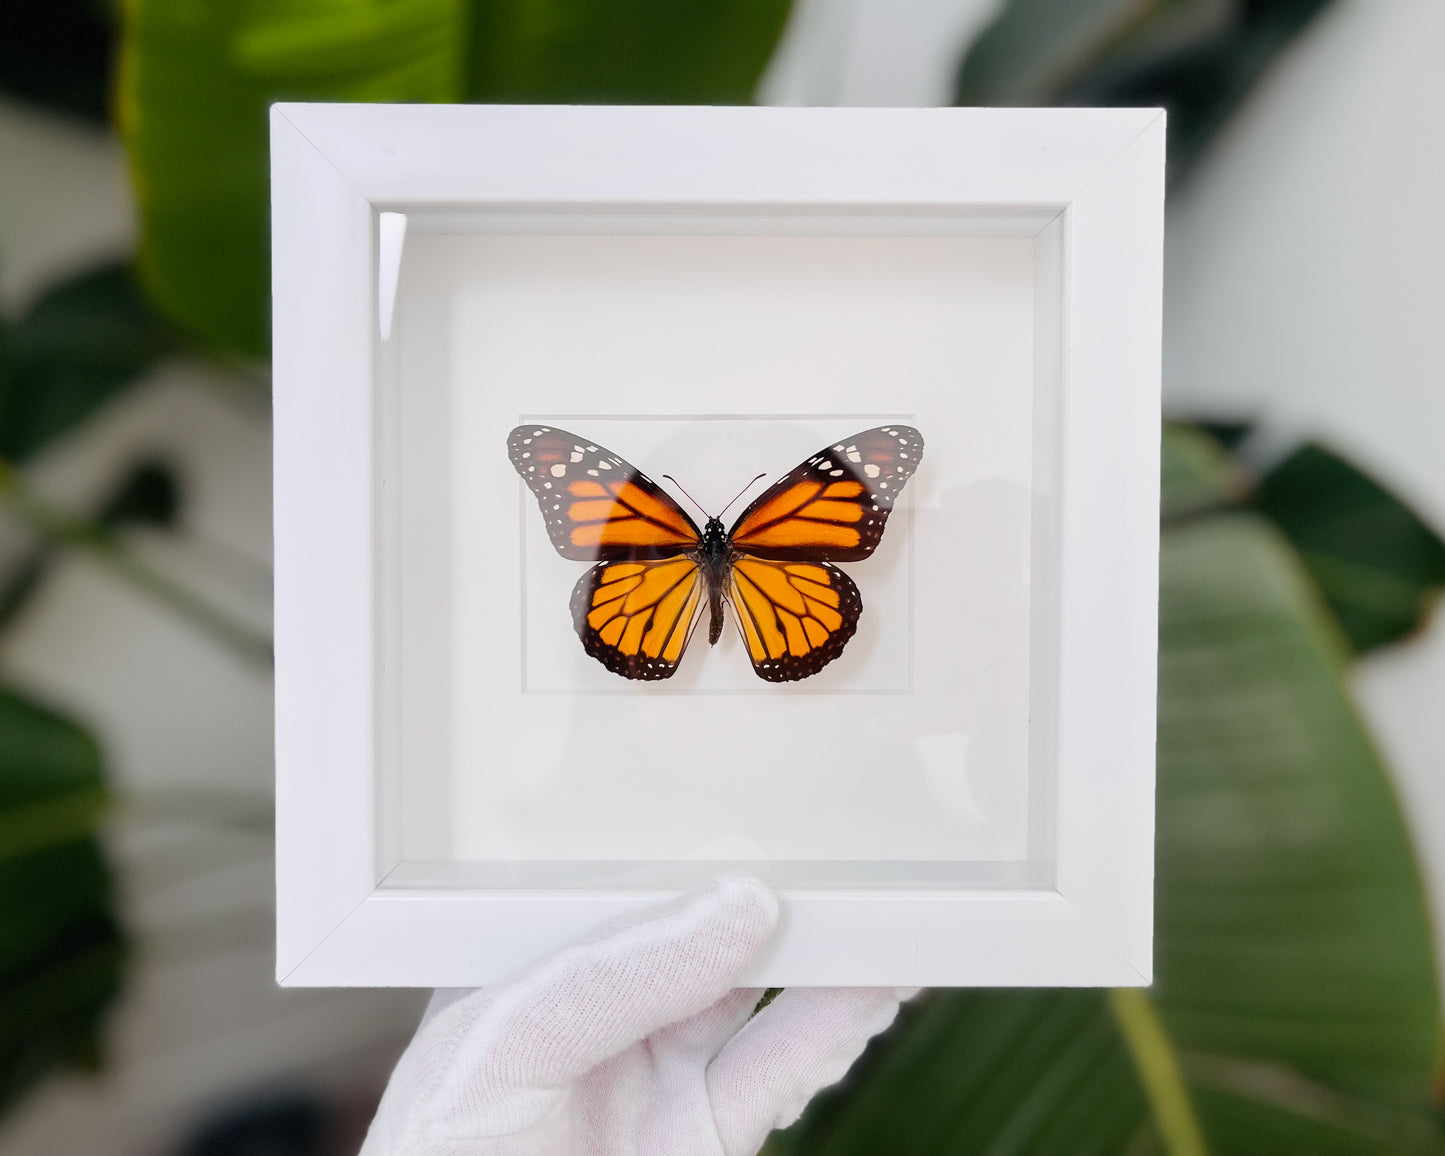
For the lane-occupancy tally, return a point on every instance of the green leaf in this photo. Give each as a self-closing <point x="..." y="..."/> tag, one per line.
<point x="1198" y="477"/>
<point x="980" y="1071"/>
<point x="62" y="952"/>
<point x="1033" y="49"/>
<point x="196" y="81"/>
<point x="1294" y="968"/>
<point x="1291" y="924"/>
<point x="623" y="51"/>
<point x="1377" y="563"/>
<point x="74" y="350"/>
<point x="1197" y="58"/>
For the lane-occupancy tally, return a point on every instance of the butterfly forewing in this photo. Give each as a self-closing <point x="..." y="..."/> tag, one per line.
<point x="596" y="505"/>
<point x="833" y="507"/>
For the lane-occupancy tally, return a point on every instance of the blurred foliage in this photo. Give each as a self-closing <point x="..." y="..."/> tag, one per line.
<point x="196" y="81"/>
<point x="73" y="350"/>
<point x="62" y="950"/>
<point x="1294" y="966"/>
<point x="1379" y="566"/>
<point x="1197" y="58"/>
<point x="623" y="51"/>
<point x="57" y="53"/>
<point x="147" y="494"/>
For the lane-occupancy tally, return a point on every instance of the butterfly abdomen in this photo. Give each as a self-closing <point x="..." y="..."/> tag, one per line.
<point x="714" y="558"/>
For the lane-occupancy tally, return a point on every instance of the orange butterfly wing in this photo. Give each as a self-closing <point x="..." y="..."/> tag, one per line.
<point x="795" y="617"/>
<point x="597" y="506"/>
<point x="634" y="610"/>
<point x="635" y="618"/>
<point x="795" y="610"/>
<point x="833" y="507"/>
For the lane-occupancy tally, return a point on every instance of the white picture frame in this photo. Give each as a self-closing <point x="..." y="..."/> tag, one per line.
<point x="1083" y="188"/>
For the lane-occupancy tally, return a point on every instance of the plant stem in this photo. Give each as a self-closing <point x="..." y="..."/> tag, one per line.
<point x="1158" y="1067"/>
<point x="100" y="544"/>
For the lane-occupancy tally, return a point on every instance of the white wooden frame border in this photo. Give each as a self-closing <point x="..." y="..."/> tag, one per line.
<point x="1097" y="173"/>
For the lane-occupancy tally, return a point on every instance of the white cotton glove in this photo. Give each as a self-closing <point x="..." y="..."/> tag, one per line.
<point x="632" y="1042"/>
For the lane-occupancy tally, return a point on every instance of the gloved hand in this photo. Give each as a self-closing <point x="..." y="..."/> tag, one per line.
<point x="632" y="1042"/>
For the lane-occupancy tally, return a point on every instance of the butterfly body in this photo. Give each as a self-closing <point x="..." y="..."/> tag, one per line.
<point x="715" y="559"/>
<point x="635" y="609"/>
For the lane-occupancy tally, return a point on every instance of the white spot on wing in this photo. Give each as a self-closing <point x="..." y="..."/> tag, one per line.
<point x="870" y="469"/>
<point x="559" y="470"/>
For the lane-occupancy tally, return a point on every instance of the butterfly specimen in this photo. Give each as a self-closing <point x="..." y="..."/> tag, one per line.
<point x="635" y="610"/>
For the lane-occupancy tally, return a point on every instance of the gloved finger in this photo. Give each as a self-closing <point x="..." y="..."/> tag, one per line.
<point x="803" y="1041"/>
<point x="699" y="1038"/>
<point x="669" y="1063"/>
<point x="444" y="998"/>
<point x="630" y="978"/>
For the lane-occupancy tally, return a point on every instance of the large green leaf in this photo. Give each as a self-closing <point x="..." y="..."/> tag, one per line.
<point x="974" y="1072"/>
<point x="1375" y="560"/>
<point x="78" y="346"/>
<point x="1197" y="58"/>
<point x="1294" y="965"/>
<point x="623" y="51"/>
<point x="197" y="78"/>
<point x="61" y="952"/>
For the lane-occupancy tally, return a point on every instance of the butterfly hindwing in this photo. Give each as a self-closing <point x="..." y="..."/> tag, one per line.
<point x="794" y="617"/>
<point x="635" y="617"/>
<point x="596" y="505"/>
<point x="833" y="507"/>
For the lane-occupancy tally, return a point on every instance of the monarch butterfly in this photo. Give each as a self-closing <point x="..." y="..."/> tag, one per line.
<point x="635" y="610"/>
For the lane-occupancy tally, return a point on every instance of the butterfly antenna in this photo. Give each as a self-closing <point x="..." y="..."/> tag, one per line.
<point x="740" y="493"/>
<point x="689" y="497"/>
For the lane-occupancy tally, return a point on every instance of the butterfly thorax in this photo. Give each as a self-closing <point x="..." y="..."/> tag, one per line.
<point x="714" y="558"/>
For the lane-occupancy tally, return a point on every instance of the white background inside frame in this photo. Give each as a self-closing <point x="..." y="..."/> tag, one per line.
<point x="512" y="745"/>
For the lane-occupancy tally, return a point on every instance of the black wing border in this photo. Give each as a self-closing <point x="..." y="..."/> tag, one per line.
<point x="831" y="464"/>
